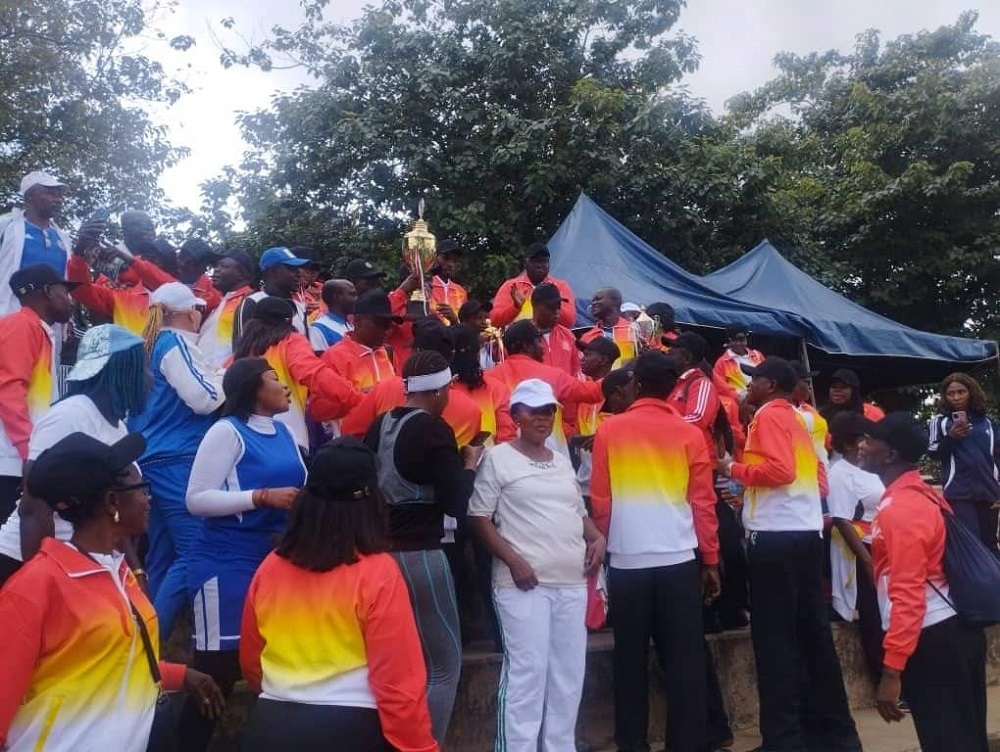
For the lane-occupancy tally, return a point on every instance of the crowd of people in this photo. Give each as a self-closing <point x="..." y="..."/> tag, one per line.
<point x="332" y="478"/>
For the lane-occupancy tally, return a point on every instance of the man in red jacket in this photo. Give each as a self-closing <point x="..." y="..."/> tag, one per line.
<point x="803" y="704"/>
<point x="558" y="342"/>
<point x="513" y="300"/>
<point x="941" y="659"/>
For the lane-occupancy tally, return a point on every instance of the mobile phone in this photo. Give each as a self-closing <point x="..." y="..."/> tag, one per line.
<point x="480" y="438"/>
<point x="960" y="416"/>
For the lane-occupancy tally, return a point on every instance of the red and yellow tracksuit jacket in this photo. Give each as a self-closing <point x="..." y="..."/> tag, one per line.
<point x="504" y="311"/>
<point x="781" y="473"/>
<point x="362" y="366"/>
<point x="450" y="293"/>
<point x="727" y="376"/>
<point x="623" y="334"/>
<point x="651" y="488"/>
<point x="695" y="398"/>
<point x="362" y="648"/>
<point x="75" y="673"/>
<point x="560" y="350"/>
<point x="493" y="400"/>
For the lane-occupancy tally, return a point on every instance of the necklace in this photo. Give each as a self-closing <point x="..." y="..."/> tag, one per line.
<point x="533" y="461"/>
<point x="542" y="464"/>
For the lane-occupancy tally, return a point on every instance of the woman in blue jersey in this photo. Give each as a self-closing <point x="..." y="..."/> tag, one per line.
<point x="246" y="475"/>
<point x="179" y="411"/>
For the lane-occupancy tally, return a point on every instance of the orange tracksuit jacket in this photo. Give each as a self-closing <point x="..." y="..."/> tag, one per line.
<point x="504" y="311"/>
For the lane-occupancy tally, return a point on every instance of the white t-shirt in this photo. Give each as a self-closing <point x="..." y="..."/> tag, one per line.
<point x="849" y="485"/>
<point x="537" y="508"/>
<point x="72" y="414"/>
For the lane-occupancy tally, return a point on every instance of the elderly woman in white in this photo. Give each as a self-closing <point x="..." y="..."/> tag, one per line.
<point x="528" y="510"/>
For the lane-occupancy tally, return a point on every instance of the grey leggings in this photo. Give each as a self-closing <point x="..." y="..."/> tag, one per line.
<point x="436" y="612"/>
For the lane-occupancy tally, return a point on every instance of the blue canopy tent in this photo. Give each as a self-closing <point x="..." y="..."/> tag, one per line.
<point x="591" y="250"/>
<point x="843" y="333"/>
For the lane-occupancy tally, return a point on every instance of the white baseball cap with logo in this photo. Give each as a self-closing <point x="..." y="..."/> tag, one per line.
<point x="533" y="393"/>
<point x="38" y="177"/>
<point x="176" y="296"/>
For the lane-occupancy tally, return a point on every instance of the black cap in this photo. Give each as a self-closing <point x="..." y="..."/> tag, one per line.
<point x="776" y="369"/>
<point x="547" y="294"/>
<point x="361" y="269"/>
<point x="244" y="259"/>
<point x="429" y="334"/>
<point x="803" y="373"/>
<point x="536" y="250"/>
<point x="614" y="381"/>
<point x="735" y="330"/>
<point x="36" y="277"/>
<point x="846" y="376"/>
<point x="693" y="343"/>
<point x="664" y="312"/>
<point x="902" y="432"/>
<point x="375" y="303"/>
<point x="447" y="246"/>
<point x="273" y="310"/>
<point x="345" y="467"/>
<point x="305" y="252"/>
<point x="519" y="335"/>
<point x="603" y="346"/>
<point x="77" y="468"/>
<point x="472" y="308"/>
<point x="198" y="249"/>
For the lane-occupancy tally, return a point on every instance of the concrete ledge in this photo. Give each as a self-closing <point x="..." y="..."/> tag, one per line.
<point x="474" y="720"/>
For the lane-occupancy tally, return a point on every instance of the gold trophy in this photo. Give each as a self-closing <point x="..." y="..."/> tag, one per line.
<point x="419" y="252"/>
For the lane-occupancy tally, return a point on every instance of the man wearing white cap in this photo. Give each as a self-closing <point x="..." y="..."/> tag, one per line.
<point x="29" y="236"/>
<point x="186" y="392"/>
<point x="527" y="509"/>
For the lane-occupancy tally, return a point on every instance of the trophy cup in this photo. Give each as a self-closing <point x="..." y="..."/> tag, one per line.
<point x="419" y="251"/>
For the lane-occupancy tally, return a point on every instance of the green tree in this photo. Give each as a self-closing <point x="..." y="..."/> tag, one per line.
<point x="75" y="89"/>
<point x="499" y="113"/>
<point x="889" y="170"/>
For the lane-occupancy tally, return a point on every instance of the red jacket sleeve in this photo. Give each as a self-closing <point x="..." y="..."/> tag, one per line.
<point x="504" y="311"/>
<point x="567" y="311"/>
<point x="600" y="481"/>
<point x="701" y="496"/>
<point x="251" y="642"/>
<point x="19" y="339"/>
<point x="396" y="669"/>
<point x="905" y="537"/>
<point x="172" y="676"/>
<point x="397" y="302"/>
<point x="98" y="299"/>
<point x="768" y="442"/>
<point x="335" y="395"/>
<point x="581" y="392"/>
<point x="701" y="405"/>
<point x="22" y="614"/>
<point x="506" y="429"/>
<point x="150" y="274"/>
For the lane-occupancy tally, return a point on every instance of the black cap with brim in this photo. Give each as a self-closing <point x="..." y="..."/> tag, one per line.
<point x="901" y="432"/>
<point x="547" y="294"/>
<point x="846" y="376"/>
<point x="376" y="303"/>
<point x="37" y="277"/>
<point x="361" y="269"/>
<point x="614" y="381"/>
<point x="77" y="468"/>
<point x="449" y="246"/>
<point x="778" y="370"/>
<point x="245" y="260"/>
<point x="273" y="310"/>
<point x="537" y="250"/>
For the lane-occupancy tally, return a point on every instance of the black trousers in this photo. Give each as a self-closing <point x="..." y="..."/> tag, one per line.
<point x="662" y="603"/>
<point x="803" y="704"/>
<point x="285" y="726"/>
<point x="8" y="567"/>
<point x="194" y="731"/>
<point x="10" y="492"/>
<point x="734" y="597"/>
<point x="869" y="623"/>
<point x="945" y="685"/>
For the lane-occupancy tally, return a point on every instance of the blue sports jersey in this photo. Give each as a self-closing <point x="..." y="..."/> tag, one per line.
<point x="43" y="247"/>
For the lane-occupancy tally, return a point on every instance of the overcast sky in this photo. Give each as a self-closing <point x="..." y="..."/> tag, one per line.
<point x="737" y="40"/>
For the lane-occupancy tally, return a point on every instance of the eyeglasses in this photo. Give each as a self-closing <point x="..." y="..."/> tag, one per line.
<point x="143" y="486"/>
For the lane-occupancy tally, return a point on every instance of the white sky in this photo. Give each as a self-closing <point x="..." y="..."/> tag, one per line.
<point x="737" y="39"/>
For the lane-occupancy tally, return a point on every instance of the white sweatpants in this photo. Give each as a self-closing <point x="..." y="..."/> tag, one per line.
<point x="544" y="660"/>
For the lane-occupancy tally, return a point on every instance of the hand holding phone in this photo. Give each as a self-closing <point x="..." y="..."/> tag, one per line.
<point x="480" y="438"/>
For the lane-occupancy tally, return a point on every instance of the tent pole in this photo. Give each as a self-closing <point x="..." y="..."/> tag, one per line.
<point x="804" y="357"/>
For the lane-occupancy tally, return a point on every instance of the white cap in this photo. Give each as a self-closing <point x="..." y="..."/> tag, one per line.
<point x="38" y="177"/>
<point x="631" y="308"/>
<point x="533" y="393"/>
<point x="175" y="296"/>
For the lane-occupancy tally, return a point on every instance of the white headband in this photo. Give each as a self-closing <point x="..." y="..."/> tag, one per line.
<point x="429" y="383"/>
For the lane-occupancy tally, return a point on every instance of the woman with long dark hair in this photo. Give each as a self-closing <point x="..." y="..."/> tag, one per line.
<point x="246" y="474"/>
<point x="107" y="385"/>
<point x="360" y="677"/>
<point x="966" y="441"/>
<point x="424" y="476"/>
<point x="270" y="334"/>
<point x="490" y="394"/>
<point x="80" y="653"/>
<point x="845" y="395"/>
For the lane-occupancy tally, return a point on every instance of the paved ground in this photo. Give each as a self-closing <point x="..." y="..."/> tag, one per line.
<point x="879" y="736"/>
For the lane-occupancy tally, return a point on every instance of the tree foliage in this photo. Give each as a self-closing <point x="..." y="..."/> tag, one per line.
<point x="75" y="88"/>
<point x="891" y="158"/>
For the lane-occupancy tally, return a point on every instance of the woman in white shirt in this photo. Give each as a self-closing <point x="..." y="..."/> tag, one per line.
<point x="528" y="510"/>
<point x="852" y="500"/>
